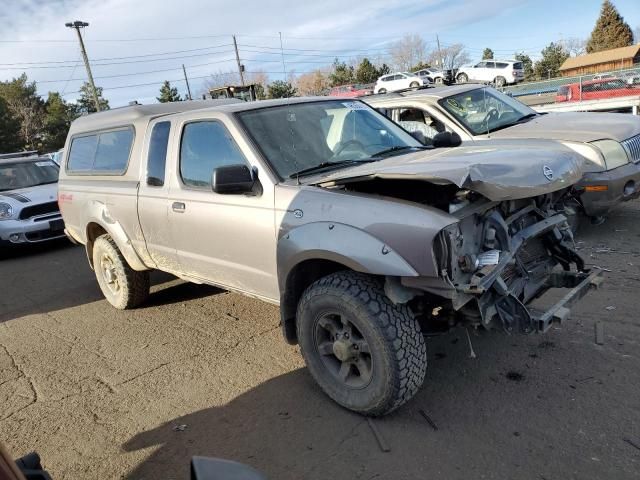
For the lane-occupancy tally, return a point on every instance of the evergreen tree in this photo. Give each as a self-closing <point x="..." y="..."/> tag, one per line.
<point x="611" y="31"/>
<point x="85" y="102"/>
<point x="168" y="93"/>
<point x="281" y="89"/>
<point x="553" y="56"/>
<point x="487" y="54"/>
<point x="57" y="119"/>
<point x="342" y="74"/>
<point x="527" y="65"/>
<point x="366" y="72"/>
<point x="9" y="129"/>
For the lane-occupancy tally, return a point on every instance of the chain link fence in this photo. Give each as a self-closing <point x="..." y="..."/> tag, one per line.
<point x="610" y="85"/>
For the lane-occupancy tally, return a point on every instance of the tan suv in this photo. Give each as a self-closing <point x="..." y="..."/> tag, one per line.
<point x="365" y="238"/>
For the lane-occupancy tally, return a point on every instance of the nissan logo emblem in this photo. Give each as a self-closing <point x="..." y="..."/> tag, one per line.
<point x="548" y="173"/>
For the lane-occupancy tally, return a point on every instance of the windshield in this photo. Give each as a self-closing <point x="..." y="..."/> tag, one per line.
<point x="27" y="174"/>
<point x="485" y="110"/>
<point x="302" y="136"/>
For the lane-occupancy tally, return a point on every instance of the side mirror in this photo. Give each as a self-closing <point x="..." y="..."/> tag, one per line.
<point x="233" y="179"/>
<point x="446" y="139"/>
<point x="420" y="136"/>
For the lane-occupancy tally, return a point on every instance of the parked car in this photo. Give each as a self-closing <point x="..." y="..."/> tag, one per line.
<point x="609" y="141"/>
<point x="362" y="235"/>
<point x="355" y="90"/>
<point x="498" y="72"/>
<point x="631" y="77"/>
<point x="596" y="90"/>
<point x="397" y="81"/>
<point x="434" y="75"/>
<point x="29" y="210"/>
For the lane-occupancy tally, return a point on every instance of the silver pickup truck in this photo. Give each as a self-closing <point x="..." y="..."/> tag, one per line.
<point x="364" y="237"/>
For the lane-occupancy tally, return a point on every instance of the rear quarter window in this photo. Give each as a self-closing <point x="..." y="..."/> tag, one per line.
<point x="105" y="152"/>
<point x="502" y="65"/>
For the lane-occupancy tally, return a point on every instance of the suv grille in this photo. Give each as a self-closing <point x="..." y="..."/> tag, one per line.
<point x="42" y="209"/>
<point x="632" y="146"/>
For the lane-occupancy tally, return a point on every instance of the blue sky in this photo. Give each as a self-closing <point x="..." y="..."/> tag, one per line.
<point x="128" y="42"/>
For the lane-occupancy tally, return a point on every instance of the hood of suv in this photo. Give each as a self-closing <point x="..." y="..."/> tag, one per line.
<point x="497" y="171"/>
<point x="575" y="127"/>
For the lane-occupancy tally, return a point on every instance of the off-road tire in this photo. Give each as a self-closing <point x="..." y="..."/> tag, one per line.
<point x="500" y="82"/>
<point x="462" y="78"/>
<point x="397" y="346"/>
<point x="414" y="85"/>
<point x="133" y="285"/>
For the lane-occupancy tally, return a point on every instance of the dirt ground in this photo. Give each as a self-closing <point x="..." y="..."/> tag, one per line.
<point x="101" y="393"/>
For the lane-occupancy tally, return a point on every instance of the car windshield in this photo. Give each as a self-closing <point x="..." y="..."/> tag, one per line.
<point x="302" y="136"/>
<point x="485" y="110"/>
<point x="27" y="174"/>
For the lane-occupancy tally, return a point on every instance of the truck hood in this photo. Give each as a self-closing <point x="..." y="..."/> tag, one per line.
<point x="575" y="127"/>
<point x="497" y="171"/>
<point x="23" y="197"/>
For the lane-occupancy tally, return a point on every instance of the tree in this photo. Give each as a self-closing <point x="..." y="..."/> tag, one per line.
<point x="280" y="89"/>
<point x="449" y="58"/>
<point x="342" y="74"/>
<point x="420" y="66"/>
<point x="168" y="93"/>
<point x="527" y="65"/>
<point x="575" y="46"/>
<point x="487" y="54"/>
<point x="57" y="120"/>
<point x="611" y="31"/>
<point x="85" y="102"/>
<point x="26" y="107"/>
<point x="9" y="129"/>
<point x="366" y="72"/>
<point x="408" y="51"/>
<point x="553" y="56"/>
<point x="312" y="83"/>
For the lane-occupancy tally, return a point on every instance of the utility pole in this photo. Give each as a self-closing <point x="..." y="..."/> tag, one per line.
<point x="77" y="25"/>
<point x="240" y="66"/>
<point x="440" y="53"/>
<point x="184" y="70"/>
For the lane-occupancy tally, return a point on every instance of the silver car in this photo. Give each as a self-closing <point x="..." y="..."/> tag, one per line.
<point x="364" y="237"/>
<point x="29" y="210"/>
<point x="609" y="141"/>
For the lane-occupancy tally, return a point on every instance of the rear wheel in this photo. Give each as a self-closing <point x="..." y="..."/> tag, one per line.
<point x="366" y="353"/>
<point x="122" y="286"/>
<point x="500" y="81"/>
<point x="462" y="78"/>
<point x="382" y="90"/>
<point x="414" y="85"/>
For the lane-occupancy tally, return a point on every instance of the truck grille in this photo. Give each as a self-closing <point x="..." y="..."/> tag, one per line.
<point x="632" y="146"/>
<point x="42" y="209"/>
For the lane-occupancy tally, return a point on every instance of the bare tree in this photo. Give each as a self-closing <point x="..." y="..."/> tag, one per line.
<point x="574" y="46"/>
<point x="258" y="77"/>
<point x="408" y="51"/>
<point x="313" y="83"/>
<point x="451" y="57"/>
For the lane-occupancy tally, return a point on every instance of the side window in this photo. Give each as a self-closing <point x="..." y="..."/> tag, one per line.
<point x="205" y="146"/>
<point x="481" y="65"/>
<point x="491" y="64"/>
<point x="103" y="152"/>
<point x="503" y="65"/>
<point x="157" y="159"/>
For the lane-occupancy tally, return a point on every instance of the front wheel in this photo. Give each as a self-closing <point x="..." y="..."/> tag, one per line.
<point x="462" y="78"/>
<point x="500" y="81"/>
<point x="382" y="90"/>
<point x="122" y="286"/>
<point x="366" y="353"/>
<point x="414" y="85"/>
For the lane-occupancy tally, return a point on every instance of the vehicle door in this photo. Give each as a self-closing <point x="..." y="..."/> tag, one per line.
<point x="399" y="82"/>
<point x="224" y="239"/>
<point x="153" y="193"/>
<point x="478" y="72"/>
<point x="489" y="73"/>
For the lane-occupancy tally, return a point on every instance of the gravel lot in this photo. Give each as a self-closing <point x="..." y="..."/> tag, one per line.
<point x="101" y="393"/>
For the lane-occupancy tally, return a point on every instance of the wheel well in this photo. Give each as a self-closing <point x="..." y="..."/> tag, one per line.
<point x="299" y="278"/>
<point x="94" y="230"/>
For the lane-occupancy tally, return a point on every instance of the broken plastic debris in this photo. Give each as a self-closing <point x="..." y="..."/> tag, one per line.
<point x="180" y="428"/>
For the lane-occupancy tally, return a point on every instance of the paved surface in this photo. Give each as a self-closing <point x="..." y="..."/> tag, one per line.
<point x="106" y="394"/>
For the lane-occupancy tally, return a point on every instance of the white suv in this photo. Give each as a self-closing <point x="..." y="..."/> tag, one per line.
<point x="397" y="81"/>
<point x="498" y="72"/>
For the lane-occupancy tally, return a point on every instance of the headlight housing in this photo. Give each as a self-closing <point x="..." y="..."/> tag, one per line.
<point x="614" y="154"/>
<point x="6" y="211"/>
<point x="591" y="153"/>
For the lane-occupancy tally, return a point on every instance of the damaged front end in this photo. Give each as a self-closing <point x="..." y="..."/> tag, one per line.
<point x="500" y="256"/>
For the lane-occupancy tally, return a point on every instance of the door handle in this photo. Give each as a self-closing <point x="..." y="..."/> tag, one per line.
<point x="178" y="207"/>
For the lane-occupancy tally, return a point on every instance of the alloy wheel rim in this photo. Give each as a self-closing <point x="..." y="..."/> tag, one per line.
<point x="109" y="274"/>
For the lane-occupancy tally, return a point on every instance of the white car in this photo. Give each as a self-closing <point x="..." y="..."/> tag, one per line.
<point x="432" y="75"/>
<point x="498" y="72"/>
<point x="397" y="81"/>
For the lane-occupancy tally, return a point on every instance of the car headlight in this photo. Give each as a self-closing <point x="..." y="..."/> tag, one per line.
<point x="591" y="153"/>
<point x="6" y="211"/>
<point x="613" y="153"/>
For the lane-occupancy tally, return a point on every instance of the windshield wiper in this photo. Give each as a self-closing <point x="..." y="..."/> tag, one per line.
<point x="397" y="148"/>
<point x="330" y="165"/>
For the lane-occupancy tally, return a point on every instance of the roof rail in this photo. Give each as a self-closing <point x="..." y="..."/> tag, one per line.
<point x="26" y="153"/>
